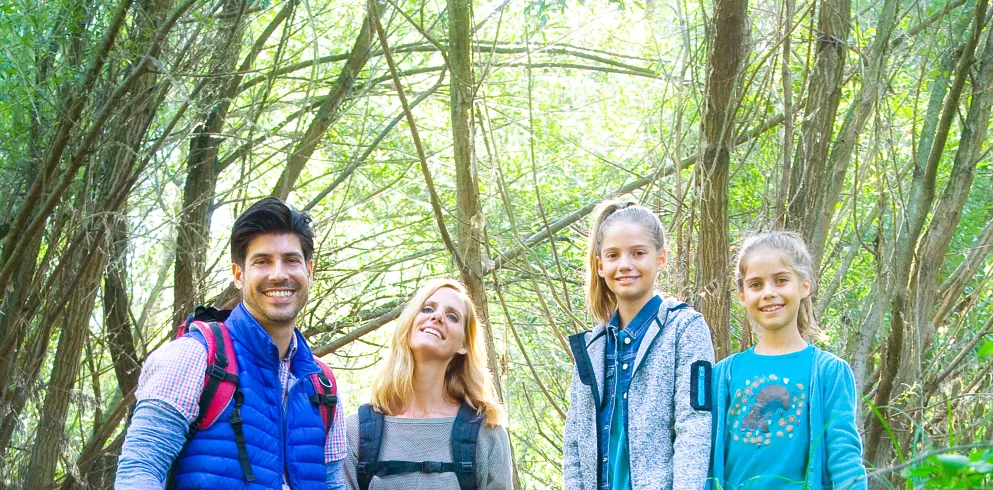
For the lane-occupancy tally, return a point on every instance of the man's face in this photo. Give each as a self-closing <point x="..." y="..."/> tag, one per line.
<point x="274" y="280"/>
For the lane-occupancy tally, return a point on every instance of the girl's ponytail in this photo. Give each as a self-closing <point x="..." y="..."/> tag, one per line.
<point x="599" y="298"/>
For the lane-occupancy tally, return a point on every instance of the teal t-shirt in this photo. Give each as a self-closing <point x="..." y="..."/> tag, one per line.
<point x="768" y="426"/>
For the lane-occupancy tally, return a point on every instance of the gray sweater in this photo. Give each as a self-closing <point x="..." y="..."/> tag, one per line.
<point x="409" y="439"/>
<point x="669" y="441"/>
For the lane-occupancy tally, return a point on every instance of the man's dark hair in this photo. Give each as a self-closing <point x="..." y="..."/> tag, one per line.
<point x="270" y="215"/>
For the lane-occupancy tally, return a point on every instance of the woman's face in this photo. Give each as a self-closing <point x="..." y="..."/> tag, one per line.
<point x="438" y="332"/>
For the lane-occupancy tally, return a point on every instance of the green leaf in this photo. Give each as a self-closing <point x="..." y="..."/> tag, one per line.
<point x="986" y="350"/>
<point x="953" y="461"/>
<point x="982" y="467"/>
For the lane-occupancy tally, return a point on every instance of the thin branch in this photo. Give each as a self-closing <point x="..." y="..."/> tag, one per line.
<point x="435" y="203"/>
<point x="347" y="171"/>
<point x="578" y="214"/>
<point x="356" y="334"/>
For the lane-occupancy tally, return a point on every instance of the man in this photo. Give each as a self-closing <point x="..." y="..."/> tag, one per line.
<point x="282" y="442"/>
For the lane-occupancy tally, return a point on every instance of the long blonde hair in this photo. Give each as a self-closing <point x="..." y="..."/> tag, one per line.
<point x="599" y="298"/>
<point x="793" y="252"/>
<point x="467" y="379"/>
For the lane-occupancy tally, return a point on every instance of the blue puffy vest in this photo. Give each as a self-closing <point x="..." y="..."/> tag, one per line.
<point x="292" y="440"/>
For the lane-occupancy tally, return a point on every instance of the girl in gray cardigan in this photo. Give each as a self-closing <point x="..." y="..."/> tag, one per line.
<point x="638" y="417"/>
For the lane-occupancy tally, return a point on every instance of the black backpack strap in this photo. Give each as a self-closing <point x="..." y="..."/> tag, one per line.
<point x="387" y="468"/>
<point x="370" y="437"/>
<point x="217" y="374"/>
<point x="465" y="439"/>
<point x="583" y="364"/>
<point x="239" y="435"/>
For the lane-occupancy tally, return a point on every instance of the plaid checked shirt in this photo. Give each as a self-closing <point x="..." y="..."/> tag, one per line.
<point x="174" y="374"/>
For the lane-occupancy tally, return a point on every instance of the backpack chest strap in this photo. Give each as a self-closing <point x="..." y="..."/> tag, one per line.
<point x="465" y="435"/>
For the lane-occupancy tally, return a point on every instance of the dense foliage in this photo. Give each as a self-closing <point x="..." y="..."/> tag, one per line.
<point x="132" y="133"/>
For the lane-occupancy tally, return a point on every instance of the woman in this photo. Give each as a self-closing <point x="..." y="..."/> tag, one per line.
<point x="434" y="420"/>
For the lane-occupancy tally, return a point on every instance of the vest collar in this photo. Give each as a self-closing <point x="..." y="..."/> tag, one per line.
<point x="260" y="347"/>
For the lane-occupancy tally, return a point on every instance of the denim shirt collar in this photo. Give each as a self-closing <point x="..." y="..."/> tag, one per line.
<point x="639" y="324"/>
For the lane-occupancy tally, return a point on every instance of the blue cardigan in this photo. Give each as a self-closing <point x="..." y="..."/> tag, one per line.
<point x="835" y="459"/>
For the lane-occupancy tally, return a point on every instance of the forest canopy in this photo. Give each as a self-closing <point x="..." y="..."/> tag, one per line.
<point x="472" y="140"/>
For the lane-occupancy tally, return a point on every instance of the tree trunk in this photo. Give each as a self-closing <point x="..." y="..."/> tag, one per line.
<point x="116" y="306"/>
<point x="727" y="57"/>
<point x="949" y="211"/>
<point x="935" y="242"/>
<point x="469" y="213"/>
<point x="952" y="288"/>
<point x="49" y="441"/>
<point x="15" y="323"/>
<point x="820" y="109"/>
<point x="829" y="183"/>
<point x="193" y="233"/>
<point x="192" y="237"/>
<point x="328" y="112"/>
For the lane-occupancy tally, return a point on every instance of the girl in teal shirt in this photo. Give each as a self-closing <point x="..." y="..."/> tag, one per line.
<point x="784" y="411"/>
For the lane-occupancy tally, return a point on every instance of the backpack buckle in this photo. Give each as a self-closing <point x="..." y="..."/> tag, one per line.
<point x="431" y="467"/>
<point x="215" y="371"/>
<point x="326" y="400"/>
<point x="466" y="467"/>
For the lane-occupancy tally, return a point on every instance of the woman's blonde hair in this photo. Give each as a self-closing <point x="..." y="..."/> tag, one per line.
<point x="599" y="298"/>
<point x="791" y="249"/>
<point x="468" y="378"/>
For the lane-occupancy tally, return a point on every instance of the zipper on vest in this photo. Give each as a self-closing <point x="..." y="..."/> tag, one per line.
<point x="283" y="416"/>
<point x="284" y="406"/>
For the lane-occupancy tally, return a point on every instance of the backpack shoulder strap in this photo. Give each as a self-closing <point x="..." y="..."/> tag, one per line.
<point x="465" y="439"/>
<point x="325" y="393"/>
<point x="584" y="365"/>
<point x="219" y="387"/>
<point x="370" y="437"/>
<point x="221" y="378"/>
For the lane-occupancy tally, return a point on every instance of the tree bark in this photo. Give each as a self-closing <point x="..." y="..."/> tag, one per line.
<point x="469" y="214"/>
<point x="328" y="112"/>
<point x="193" y="233"/>
<point x="829" y="182"/>
<point x="820" y="110"/>
<point x="727" y="57"/>
<point x="952" y="288"/>
<point x="116" y="306"/>
<point x="949" y="209"/>
<point x="781" y="207"/>
<point x="939" y="234"/>
<point x="49" y="439"/>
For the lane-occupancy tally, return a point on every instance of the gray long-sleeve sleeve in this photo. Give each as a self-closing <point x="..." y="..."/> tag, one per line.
<point x="692" y="426"/>
<point x="155" y="438"/>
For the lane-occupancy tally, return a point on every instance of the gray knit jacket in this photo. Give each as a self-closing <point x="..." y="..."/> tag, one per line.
<point x="669" y="441"/>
